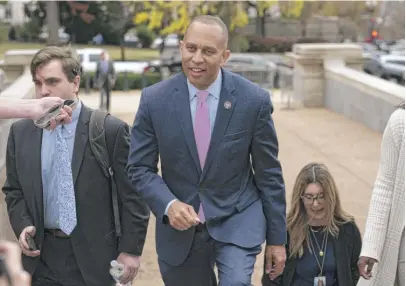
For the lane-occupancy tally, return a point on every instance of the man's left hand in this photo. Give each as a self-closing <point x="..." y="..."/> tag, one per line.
<point x="275" y="260"/>
<point x="131" y="265"/>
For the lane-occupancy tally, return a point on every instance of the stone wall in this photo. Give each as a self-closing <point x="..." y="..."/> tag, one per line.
<point x="330" y="29"/>
<point x="359" y="96"/>
<point x="331" y="76"/>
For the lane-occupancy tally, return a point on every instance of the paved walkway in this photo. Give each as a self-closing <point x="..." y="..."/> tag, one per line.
<point x="349" y="149"/>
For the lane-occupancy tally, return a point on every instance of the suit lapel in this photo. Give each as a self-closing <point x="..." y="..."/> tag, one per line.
<point x="182" y="105"/>
<point x="35" y="136"/>
<point x="224" y="111"/>
<point x="81" y="138"/>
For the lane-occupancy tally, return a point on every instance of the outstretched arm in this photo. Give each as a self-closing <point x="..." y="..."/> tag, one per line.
<point x="33" y="108"/>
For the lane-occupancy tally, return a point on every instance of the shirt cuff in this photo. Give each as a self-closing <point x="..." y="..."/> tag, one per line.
<point x="169" y="204"/>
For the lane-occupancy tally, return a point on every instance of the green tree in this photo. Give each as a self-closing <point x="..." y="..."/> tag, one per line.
<point x="84" y="19"/>
<point x="261" y="7"/>
<point x="291" y="9"/>
<point x="177" y="14"/>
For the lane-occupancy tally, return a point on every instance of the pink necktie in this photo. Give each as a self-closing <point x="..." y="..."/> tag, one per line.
<point x="202" y="134"/>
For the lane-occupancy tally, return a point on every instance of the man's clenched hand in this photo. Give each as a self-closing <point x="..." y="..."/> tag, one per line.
<point x="275" y="260"/>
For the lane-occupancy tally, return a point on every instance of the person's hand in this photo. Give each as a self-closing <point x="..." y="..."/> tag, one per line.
<point x="42" y="105"/>
<point x="182" y="216"/>
<point x="275" y="260"/>
<point x="29" y="230"/>
<point x="131" y="265"/>
<point x="12" y="260"/>
<point x="64" y="117"/>
<point x="365" y="265"/>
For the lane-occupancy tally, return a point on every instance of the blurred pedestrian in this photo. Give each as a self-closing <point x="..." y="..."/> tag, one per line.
<point x="105" y="79"/>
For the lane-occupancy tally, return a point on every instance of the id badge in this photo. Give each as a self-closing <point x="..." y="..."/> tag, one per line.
<point x="320" y="281"/>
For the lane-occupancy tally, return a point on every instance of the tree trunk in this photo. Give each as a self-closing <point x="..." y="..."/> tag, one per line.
<point x="303" y="28"/>
<point x="225" y="13"/>
<point x="260" y="25"/>
<point x="307" y="12"/>
<point x="122" y="51"/>
<point x="52" y="10"/>
<point x="263" y="31"/>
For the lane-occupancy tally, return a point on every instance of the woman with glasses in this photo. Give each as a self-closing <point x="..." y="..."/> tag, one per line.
<point x="324" y="242"/>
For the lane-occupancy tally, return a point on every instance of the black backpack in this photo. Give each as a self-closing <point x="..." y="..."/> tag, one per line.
<point x="98" y="144"/>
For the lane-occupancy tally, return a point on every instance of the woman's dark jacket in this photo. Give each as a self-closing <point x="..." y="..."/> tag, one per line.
<point x="347" y="248"/>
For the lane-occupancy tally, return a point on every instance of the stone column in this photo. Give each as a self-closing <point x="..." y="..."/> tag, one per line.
<point x="308" y="75"/>
<point x="15" y="63"/>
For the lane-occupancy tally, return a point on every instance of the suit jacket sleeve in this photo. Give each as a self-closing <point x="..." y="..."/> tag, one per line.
<point x="268" y="173"/>
<point x="17" y="209"/>
<point x="142" y="165"/>
<point x="134" y="210"/>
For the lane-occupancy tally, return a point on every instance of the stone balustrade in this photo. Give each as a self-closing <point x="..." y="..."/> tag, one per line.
<point x="331" y="76"/>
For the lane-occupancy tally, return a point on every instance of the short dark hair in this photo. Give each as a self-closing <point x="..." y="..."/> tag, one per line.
<point x="211" y="20"/>
<point x="70" y="63"/>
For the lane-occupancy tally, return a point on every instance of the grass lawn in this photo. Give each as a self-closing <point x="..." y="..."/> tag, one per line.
<point x="131" y="54"/>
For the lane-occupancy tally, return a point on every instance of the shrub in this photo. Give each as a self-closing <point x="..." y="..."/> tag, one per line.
<point x="29" y="31"/>
<point x="145" y="35"/>
<point x="277" y="44"/>
<point x="270" y="44"/>
<point x="134" y="81"/>
<point x="239" y="44"/>
<point x="3" y="33"/>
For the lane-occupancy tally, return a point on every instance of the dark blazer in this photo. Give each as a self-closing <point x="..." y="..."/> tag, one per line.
<point x="240" y="207"/>
<point x="347" y="248"/>
<point x="94" y="240"/>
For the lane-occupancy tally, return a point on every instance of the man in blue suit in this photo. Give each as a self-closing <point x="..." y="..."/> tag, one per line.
<point x="221" y="194"/>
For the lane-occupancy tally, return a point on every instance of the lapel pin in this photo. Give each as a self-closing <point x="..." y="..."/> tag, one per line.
<point x="227" y="105"/>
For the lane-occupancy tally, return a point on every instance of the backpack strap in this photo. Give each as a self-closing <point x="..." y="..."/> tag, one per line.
<point x="98" y="144"/>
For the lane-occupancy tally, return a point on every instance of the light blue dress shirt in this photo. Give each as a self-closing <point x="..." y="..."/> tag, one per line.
<point x="212" y="102"/>
<point x="50" y="193"/>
